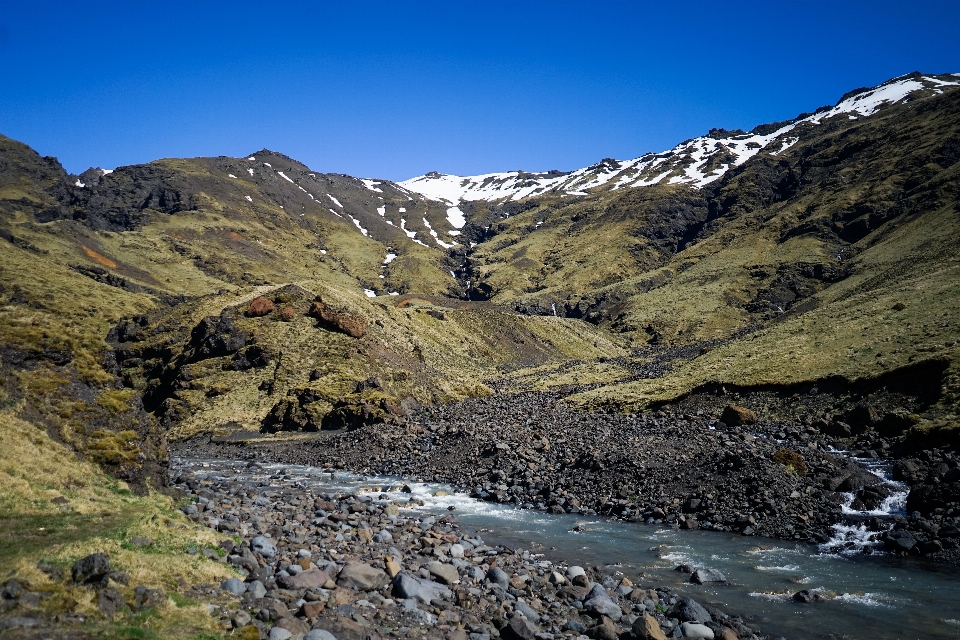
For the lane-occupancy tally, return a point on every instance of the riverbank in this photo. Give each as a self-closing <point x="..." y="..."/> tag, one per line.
<point x="703" y="464"/>
<point x="374" y="563"/>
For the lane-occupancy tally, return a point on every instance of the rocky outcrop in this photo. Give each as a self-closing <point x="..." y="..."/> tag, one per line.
<point x="259" y="307"/>
<point x="354" y="325"/>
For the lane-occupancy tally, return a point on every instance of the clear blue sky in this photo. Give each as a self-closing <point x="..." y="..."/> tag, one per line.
<point x="395" y="89"/>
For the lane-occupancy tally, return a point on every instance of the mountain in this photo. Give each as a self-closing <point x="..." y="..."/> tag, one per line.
<point x="696" y="162"/>
<point x="243" y="295"/>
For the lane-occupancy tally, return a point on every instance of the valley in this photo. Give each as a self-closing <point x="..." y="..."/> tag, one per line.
<point x="753" y="334"/>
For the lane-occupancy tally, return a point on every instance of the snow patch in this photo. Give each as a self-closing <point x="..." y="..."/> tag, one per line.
<point x="357" y="222"/>
<point x="370" y="293"/>
<point x="440" y="242"/>
<point x="78" y="183"/>
<point x="249" y="199"/>
<point x="231" y="175"/>
<point x="335" y="201"/>
<point x="372" y="185"/>
<point x="455" y="217"/>
<point x="283" y="175"/>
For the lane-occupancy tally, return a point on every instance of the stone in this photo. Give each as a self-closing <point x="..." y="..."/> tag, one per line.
<point x="689" y="610"/>
<point x="234" y="586"/>
<point x="259" y="307"/>
<point x="527" y="611"/>
<point x="703" y="576"/>
<point x="343" y="627"/>
<point x="319" y="634"/>
<point x="606" y="630"/>
<point x="899" y="541"/>
<point x="360" y="576"/>
<point x="406" y="585"/>
<point x="279" y="633"/>
<point x="691" y="524"/>
<point x="393" y="568"/>
<point x="240" y="619"/>
<point x="92" y="568"/>
<point x="353" y="325"/>
<point x="145" y="598"/>
<point x="574" y="571"/>
<point x="111" y="602"/>
<point x="557" y="578"/>
<point x="456" y="551"/>
<point x="729" y="634"/>
<point x="263" y="546"/>
<point x="295" y="626"/>
<point x="311" y="609"/>
<point x="695" y="630"/>
<point x="519" y="628"/>
<point x="383" y="537"/>
<point x="140" y="541"/>
<point x="18" y="622"/>
<point x="646" y="627"/>
<point x="576" y="626"/>
<point x="257" y="589"/>
<point x="736" y="416"/>
<point x="309" y="579"/>
<point x="603" y="606"/>
<point x="496" y="575"/>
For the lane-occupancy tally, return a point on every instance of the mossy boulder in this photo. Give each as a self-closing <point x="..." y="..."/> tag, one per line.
<point x="260" y="307"/>
<point x="354" y="325"/>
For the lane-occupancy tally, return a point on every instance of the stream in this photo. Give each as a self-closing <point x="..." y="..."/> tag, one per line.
<point x="871" y="595"/>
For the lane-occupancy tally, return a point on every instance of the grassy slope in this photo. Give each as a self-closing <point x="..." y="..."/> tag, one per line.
<point x="101" y="516"/>
<point x="898" y="161"/>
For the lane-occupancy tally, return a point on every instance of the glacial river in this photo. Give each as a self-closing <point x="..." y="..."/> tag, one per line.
<point x="865" y="596"/>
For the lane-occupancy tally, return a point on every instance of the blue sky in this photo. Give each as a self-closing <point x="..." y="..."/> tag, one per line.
<point x="396" y="89"/>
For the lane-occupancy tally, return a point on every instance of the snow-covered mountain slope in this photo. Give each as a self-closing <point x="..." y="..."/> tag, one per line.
<point x="697" y="162"/>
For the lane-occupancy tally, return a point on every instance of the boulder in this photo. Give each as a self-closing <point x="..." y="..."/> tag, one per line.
<point x="309" y="579"/>
<point x="927" y="497"/>
<point x="92" y="568"/>
<point x="263" y="546"/>
<point x="259" y="307"/>
<point x="695" y="630"/>
<point x="496" y="575"/>
<point x="519" y="628"/>
<point x="646" y="627"/>
<point x="736" y="416"/>
<point x="606" y="630"/>
<point x="406" y="585"/>
<point x="445" y="573"/>
<point x="146" y="598"/>
<point x="353" y="325"/>
<point x="899" y="541"/>
<point x="360" y="576"/>
<point x="689" y="610"/>
<point x="603" y="606"/>
<point x="233" y="585"/>
<point x="703" y="576"/>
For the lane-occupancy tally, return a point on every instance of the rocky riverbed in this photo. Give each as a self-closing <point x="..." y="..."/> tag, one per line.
<point x="374" y="564"/>
<point x="695" y="466"/>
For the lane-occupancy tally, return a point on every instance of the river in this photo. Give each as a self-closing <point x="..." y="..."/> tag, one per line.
<point x="864" y="595"/>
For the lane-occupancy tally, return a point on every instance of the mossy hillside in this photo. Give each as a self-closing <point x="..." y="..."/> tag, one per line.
<point x="430" y="350"/>
<point x="55" y="509"/>
<point x="900" y="307"/>
<point x="185" y="227"/>
<point x="562" y="249"/>
<point x="854" y="217"/>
